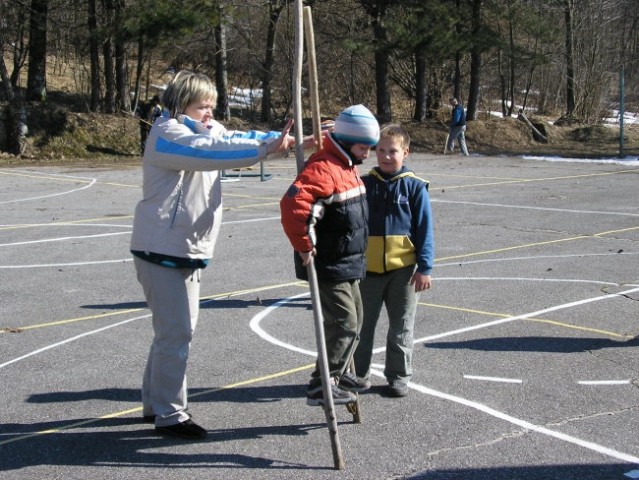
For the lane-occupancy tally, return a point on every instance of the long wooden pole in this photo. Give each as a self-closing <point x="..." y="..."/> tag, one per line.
<point x="329" y="407"/>
<point x="312" y="75"/>
<point x="353" y="408"/>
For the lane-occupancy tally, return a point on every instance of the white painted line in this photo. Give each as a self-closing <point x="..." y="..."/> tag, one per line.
<point x="92" y="181"/>
<point x="604" y="382"/>
<point x="534" y="257"/>
<point x="527" y="425"/>
<point x="72" y="339"/>
<point x="493" y="379"/>
<point x="255" y="326"/>
<point x="62" y="239"/>
<point x="251" y="220"/>
<point x="543" y="209"/>
<point x="632" y="474"/>
<point x="525" y="315"/>
<point x="71" y="264"/>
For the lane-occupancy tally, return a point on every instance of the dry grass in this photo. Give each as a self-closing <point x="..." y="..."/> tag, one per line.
<point x="62" y="136"/>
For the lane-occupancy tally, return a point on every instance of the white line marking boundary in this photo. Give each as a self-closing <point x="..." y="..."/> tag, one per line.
<point x="255" y="326"/>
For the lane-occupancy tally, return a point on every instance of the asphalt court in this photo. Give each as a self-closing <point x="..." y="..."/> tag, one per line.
<point x="526" y="360"/>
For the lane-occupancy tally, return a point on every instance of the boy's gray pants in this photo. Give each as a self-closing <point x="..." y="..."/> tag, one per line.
<point x="394" y="290"/>
<point x="173" y="295"/>
<point x="343" y="313"/>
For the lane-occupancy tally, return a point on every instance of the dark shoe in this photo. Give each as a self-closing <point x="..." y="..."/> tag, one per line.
<point x="397" y="389"/>
<point x="315" y="396"/>
<point x="187" y="429"/>
<point x="352" y="383"/>
<point x="148" y="418"/>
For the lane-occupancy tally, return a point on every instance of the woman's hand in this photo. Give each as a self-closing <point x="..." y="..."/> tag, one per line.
<point x="284" y="143"/>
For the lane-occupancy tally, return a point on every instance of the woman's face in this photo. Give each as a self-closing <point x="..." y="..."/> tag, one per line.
<point x="200" y="110"/>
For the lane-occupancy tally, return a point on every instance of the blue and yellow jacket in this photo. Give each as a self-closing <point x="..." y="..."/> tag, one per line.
<point x="400" y="223"/>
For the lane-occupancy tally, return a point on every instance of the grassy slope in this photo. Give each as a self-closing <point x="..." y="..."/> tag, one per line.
<point x="59" y="135"/>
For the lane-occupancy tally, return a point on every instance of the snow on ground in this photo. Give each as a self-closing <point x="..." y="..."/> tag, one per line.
<point x="629" y="161"/>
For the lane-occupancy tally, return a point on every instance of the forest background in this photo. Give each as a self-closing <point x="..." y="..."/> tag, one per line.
<point x="73" y="73"/>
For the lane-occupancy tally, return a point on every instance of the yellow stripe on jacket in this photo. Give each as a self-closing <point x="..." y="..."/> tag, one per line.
<point x="384" y="254"/>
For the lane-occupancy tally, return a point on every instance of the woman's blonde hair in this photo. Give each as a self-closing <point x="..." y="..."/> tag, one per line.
<point x="185" y="88"/>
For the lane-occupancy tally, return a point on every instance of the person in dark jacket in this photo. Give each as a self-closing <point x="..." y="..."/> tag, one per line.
<point x="457" y="127"/>
<point x="324" y="215"/>
<point x="399" y="258"/>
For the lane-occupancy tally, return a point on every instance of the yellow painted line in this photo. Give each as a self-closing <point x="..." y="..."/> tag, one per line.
<point x="255" y="197"/>
<point x="46" y="177"/>
<point x="132" y="310"/>
<point x="539" y="320"/>
<point x="122" y="413"/>
<point x="253" y="205"/>
<point x="577" y="327"/>
<point x="536" y="244"/>
<point x="67" y="222"/>
<point x="113" y="184"/>
<point x="515" y="247"/>
<point x="70" y="179"/>
<point x="64" y="322"/>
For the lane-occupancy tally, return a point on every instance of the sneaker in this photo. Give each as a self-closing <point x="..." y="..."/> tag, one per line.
<point x="187" y="429"/>
<point x="397" y="389"/>
<point x="315" y="396"/>
<point x="352" y="383"/>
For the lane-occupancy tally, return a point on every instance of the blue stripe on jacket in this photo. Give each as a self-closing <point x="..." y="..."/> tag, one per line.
<point x="165" y="146"/>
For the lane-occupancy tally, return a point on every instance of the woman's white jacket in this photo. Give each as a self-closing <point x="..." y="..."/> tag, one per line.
<point x="181" y="207"/>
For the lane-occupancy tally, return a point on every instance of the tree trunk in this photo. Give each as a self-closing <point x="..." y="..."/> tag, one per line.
<point x="275" y="9"/>
<point x="570" y="58"/>
<point x="222" y="110"/>
<point x="123" y="99"/>
<point x="139" y="71"/>
<point x="384" y="113"/>
<point x="107" y="53"/>
<point x="421" y="86"/>
<point x="7" y="89"/>
<point x="475" y="64"/>
<point x="94" y="53"/>
<point x="37" y="76"/>
<point x="458" y="57"/>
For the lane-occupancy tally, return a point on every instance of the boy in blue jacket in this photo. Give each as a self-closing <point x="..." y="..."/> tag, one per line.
<point x="399" y="258"/>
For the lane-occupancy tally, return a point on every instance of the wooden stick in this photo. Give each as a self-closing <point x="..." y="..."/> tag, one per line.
<point x="312" y="76"/>
<point x="309" y="35"/>
<point x="297" y="86"/>
<point x="329" y="407"/>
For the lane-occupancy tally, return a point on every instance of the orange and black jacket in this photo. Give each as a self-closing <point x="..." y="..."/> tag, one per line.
<point x="325" y="208"/>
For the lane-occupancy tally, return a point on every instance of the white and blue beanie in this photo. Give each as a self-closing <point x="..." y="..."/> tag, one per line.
<point x="356" y="124"/>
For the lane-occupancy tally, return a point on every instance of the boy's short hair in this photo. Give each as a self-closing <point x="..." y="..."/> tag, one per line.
<point x="397" y="132"/>
<point x="185" y="88"/>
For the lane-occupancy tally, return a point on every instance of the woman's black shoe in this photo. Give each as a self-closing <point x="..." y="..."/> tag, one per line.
<point x="187" y="429"/>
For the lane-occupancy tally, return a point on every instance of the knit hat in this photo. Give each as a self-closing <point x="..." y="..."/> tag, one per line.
<point x="356" y="124"/>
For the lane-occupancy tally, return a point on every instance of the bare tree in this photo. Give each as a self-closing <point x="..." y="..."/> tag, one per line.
<point x="94" y="56"/>
<point x="569" y="8"/>
<point x="222" y="110"/>
<point x="37" y="75"/>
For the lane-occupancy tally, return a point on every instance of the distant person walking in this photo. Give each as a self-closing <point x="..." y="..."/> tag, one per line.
<point x="457" y="128"/>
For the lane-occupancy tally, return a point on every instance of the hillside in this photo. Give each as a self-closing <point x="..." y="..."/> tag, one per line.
<point x="58" y="135"/>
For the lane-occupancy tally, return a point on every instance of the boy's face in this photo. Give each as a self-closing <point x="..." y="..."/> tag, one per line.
<point x="200" y="110"/>
<point x="360" y="151"/>
<point x="390" y="154"/>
